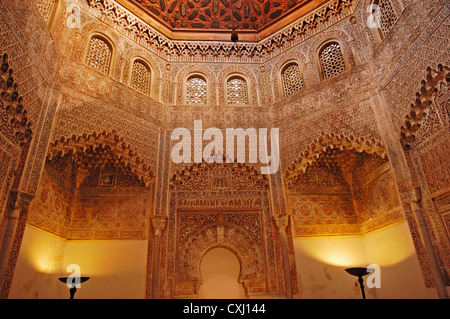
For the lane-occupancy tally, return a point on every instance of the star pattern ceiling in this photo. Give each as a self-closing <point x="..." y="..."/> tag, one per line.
<point x="252" y="15"/>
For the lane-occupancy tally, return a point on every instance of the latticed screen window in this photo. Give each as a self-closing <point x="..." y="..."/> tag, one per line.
<point x="46" y="8"/>
<point x="386" y="15"/>
<point x="99" y="54"/>
<point x="332" y="60"/>
<point x="140" y="77"/>
<point x="237" y="91"/>
<point x="196" y="90"/>
<point x="292" y="79"/>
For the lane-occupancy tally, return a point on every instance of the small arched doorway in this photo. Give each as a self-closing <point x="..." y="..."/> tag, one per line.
<point x="220" y="269"/>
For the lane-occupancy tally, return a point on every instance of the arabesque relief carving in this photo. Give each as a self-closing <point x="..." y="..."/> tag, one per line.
<point x="96" y="149"/>
<point x="14" y="118"/>
<point x="431" y="103"/>
<point x="328" y="141"/>
<point x="93" y="187"/>
<point x="342" y="186"/>
<point x="221" y="205"/>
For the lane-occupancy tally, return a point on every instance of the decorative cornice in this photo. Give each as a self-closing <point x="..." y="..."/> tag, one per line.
<point x="241" y="169"/>
<point x="173" y="50"/>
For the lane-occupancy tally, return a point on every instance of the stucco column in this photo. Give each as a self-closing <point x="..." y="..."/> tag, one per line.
<point x="413" y="198"/>
<point x="159" y="223"/>
<point x="282" y="221"/>
<point x="15" y="226"/>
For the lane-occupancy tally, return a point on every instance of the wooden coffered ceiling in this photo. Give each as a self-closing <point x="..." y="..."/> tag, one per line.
<point x="214" y="19"/>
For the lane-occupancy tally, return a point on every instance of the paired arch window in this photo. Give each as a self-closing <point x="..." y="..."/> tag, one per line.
<point x="237" y="90"/>
<point x="99" y="54"/>
<point x="331" y="60"/>
<point x="196" y="90"/>
<point x="46" y="8"/>
<point x="291" y="77"/>
<point x="140" y="76"/>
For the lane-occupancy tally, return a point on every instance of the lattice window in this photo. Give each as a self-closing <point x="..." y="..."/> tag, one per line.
<point x="332" y="60"/>
<point x="196" y="90"/>
<point x="99" y="54"/>
<point x="237" y="91"/>
<point x="46" y="8"/>
<point x="140" y="77"/>
<point x="292" y="79"/>
<point x="387" y="16"/>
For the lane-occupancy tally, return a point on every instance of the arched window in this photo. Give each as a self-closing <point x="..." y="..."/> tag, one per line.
<point x="46" y="8"/>
<point x="386" y="16"/>
<point x="196" y="90"/>
<point x="140" y="76"/>
<point x="99" y="54"/>
<point x="331" y="60"/>
<point x="292" y="79"/>
<point x="237" y="92"/>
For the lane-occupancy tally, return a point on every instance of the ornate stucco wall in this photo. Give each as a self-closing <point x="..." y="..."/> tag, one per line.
<point x="359" y="152"/>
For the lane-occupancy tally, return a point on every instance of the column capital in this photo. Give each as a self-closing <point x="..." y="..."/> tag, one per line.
<point x="411" y="195"/>
<point x="158" y="222"/>
<point x="19" y="200"/>
<point x="281" y="221"/>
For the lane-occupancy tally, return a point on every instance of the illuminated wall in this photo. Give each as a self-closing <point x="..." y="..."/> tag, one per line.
<point x="117" y="267"/>
<point x="321" y="262"/>
<point x="39" y="266"/>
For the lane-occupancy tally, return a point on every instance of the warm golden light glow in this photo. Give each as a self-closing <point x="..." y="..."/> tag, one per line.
<point x="335" y="251"/>
<point x="389" y="246"/>
<point x="44" y="253"/>
<point x="45" y="265"/>
<point x="385" y="247"/>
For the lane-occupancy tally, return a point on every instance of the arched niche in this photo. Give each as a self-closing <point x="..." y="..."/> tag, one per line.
<point x="220" y="271"/>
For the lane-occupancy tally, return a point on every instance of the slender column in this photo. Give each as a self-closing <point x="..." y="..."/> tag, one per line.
<point x="282" y="221"/>
<point x="12" y="238"/>
<point x="413" y="198"/>
<point x="159" y="223"/>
